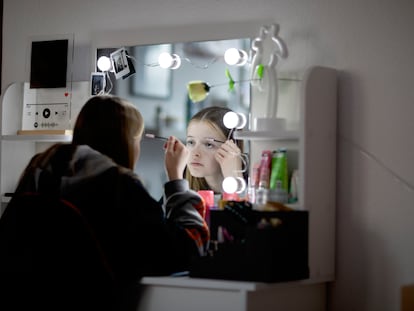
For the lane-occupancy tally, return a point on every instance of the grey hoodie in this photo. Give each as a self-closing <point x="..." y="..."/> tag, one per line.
<point x="139" y="235"/>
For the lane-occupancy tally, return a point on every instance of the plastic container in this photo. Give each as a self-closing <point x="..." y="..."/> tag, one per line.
<point x="279" y="185"/>
<point x="208" y="197"/>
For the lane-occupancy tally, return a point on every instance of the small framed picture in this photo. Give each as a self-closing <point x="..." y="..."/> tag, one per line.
<point x="119" y="63"/>
<point x="98" y="83"/>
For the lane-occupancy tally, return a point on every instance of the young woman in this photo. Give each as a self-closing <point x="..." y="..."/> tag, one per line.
<point x="138" y="236"/>
<point x="214" y="155"/>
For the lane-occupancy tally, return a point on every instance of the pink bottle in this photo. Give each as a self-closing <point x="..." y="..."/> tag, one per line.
<point x="208" y="197"/>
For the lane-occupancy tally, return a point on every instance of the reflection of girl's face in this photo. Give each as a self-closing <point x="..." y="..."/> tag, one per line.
<point x="202" y="147"/>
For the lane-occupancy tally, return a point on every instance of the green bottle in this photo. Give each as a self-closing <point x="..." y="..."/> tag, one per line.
<point x="279" y="184"/>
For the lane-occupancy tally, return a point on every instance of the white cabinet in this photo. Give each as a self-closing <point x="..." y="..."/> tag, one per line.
<point x="308" y="102"/>
<point x="17" y="150"/>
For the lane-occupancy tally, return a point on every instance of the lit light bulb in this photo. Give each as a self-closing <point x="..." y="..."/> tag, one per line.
<point x="169" y="61"/>
<point x="235" y="56"/>
<point x="233" y="120"/>
<point x="104" y="63"/>
<point x="233" y="185"/>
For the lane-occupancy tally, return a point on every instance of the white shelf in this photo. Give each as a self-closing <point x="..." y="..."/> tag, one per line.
<point x="295" y="206"/>
<point x="38" y="138"/>
<point x="267" y="135"/>
<point x="310" y="107"/>
<point x="189" y="282"/>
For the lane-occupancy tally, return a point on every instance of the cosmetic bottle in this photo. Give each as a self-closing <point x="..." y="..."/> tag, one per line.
<point x="278" y="184"/>
<point x="253" y="183"/>
<point x="262" y="191"/>
<point x="208" y="198"/>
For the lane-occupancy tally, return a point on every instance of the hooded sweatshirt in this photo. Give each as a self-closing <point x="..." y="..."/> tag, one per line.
<point x="139" y="235"/>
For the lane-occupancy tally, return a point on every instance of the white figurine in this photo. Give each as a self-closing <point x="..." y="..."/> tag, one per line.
<point x="269" y="80"/>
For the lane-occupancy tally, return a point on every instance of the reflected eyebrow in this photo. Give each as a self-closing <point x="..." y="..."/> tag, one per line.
<point x="215" y="140"/>
<point x="208" y="139"/>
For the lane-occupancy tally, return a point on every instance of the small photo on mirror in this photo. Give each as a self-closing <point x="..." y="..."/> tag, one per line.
<point x="98" y="83"/>
<point x="120" y="63"/>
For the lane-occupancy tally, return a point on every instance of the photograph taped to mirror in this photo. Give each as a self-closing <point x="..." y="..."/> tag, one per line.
<point x="98" y="83"/>
<point x="119" y="62"/>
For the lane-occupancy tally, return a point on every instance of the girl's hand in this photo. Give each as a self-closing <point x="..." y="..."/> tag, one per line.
<point x="229" y="158"/>
<point x="175" y="159"/>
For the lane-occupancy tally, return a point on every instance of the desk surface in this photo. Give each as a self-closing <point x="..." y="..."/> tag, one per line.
<point x="189" y="294"/>
<point x="186" y="281"/>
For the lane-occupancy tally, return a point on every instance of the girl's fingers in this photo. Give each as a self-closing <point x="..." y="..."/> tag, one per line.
<point x="230" y="147"/>
<point x="170" y="144"/>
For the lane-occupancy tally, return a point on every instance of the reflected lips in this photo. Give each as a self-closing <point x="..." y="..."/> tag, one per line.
<point x="196" y="164"/>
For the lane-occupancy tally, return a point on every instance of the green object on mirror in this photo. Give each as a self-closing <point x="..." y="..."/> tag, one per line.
<point x="259" y="71"/>
<point x="197" y="90"/>
<point x="231" y="81"/>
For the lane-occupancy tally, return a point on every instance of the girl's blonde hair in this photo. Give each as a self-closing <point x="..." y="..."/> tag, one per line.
<point x="109" y="124"/>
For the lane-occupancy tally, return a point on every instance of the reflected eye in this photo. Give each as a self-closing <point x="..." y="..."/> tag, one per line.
<point x="209" y="145"/>
<point x="206" y="145"/>
<point x="190" y="143"/>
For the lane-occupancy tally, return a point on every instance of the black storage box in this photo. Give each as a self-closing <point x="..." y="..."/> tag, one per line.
<point x="255" y="246"/>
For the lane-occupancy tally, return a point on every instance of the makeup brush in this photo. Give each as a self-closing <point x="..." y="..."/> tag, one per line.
<point x="148" y="135"/>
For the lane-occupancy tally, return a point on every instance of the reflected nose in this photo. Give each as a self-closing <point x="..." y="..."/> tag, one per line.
<point x="195" y="151"/>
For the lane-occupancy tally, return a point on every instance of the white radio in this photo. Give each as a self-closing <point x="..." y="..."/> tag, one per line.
<point x="53" y="109"/>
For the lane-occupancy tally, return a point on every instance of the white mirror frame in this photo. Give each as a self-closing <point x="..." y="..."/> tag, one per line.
<point x="174" y="34"/>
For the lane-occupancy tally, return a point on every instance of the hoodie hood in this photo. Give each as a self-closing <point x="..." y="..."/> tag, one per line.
<point x="86" y="163"/>
<point x="62" y="167"/>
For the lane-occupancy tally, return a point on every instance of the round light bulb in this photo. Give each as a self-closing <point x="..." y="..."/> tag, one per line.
<point x="169" y="61"/>
<point x="233" y="185"/>
<point x="104" y="63"/>
<point x="233" y="120"/>
<point x="235" y="56"/>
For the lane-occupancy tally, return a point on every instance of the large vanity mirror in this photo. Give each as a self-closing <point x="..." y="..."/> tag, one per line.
<point x="161" y="94"/>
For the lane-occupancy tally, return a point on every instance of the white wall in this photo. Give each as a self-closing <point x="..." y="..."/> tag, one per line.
<point x="369" y="41"/>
